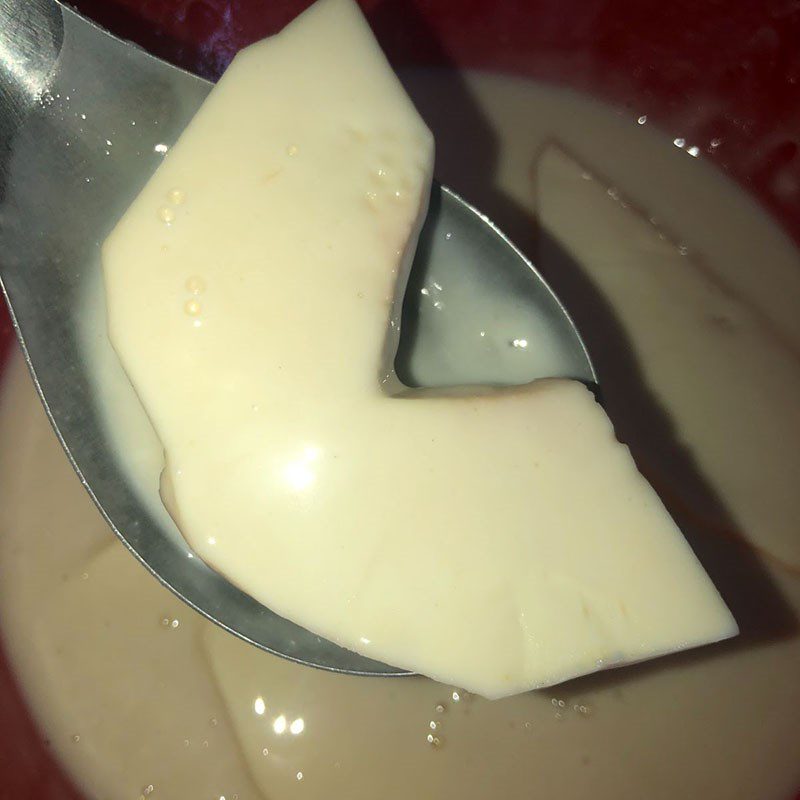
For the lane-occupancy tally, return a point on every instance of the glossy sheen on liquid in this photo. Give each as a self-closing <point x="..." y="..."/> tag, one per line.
<point x="177" y="708"/>
<point x="499" y="539"/>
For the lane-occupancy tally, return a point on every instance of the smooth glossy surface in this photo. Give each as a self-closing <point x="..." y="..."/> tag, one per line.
<point x="85" y="120"/>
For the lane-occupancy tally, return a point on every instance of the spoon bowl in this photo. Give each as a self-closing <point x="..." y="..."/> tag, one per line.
<point x="85" y="119"/>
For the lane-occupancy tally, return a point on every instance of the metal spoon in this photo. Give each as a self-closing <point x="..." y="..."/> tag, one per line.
<point x="84" y="121"/>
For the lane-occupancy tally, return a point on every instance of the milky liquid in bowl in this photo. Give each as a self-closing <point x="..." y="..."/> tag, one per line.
<point x="136" y="691"/>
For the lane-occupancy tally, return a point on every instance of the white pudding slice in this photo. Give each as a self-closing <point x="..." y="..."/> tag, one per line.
<point x="498" y="540"/>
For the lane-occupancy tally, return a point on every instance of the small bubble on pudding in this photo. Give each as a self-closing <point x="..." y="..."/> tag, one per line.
<point x="161" y="148"/>
<point x="192" y="308"/>
<point x="440" y="708"/>
<point x="299" y="776"/>
<point x="176" y="196"/>
<point x="165" y="622"/>
<point x="292" y="150"/>
<point x="175" y="623"/>
<point x="76" y="738"/>
<point x="148" y="790"/>
<point x="456" y="697"/>
<point x="433" y="724"/>
<point x="166" y="215"/>
<point x="265" y="751"/>
<point x="85" y="576"/>
<point x="433" y="741"/>
<point x="195" y="284"/>
<point x="642" y="119"/>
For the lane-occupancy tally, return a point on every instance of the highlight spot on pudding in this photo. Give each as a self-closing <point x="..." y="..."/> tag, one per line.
<point x="195" y="284"/>
<point x="176" y="196"/>
<point x="166" y="215"/>
<point x="192" y="308"/>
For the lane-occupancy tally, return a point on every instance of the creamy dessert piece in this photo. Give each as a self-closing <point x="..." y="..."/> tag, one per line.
<point x="498" y="539"/>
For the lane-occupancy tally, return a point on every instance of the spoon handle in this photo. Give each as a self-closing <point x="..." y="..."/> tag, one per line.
<point x="31" y="35"/>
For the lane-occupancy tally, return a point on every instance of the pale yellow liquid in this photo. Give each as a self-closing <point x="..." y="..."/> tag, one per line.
<point x="699" y="371"/>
